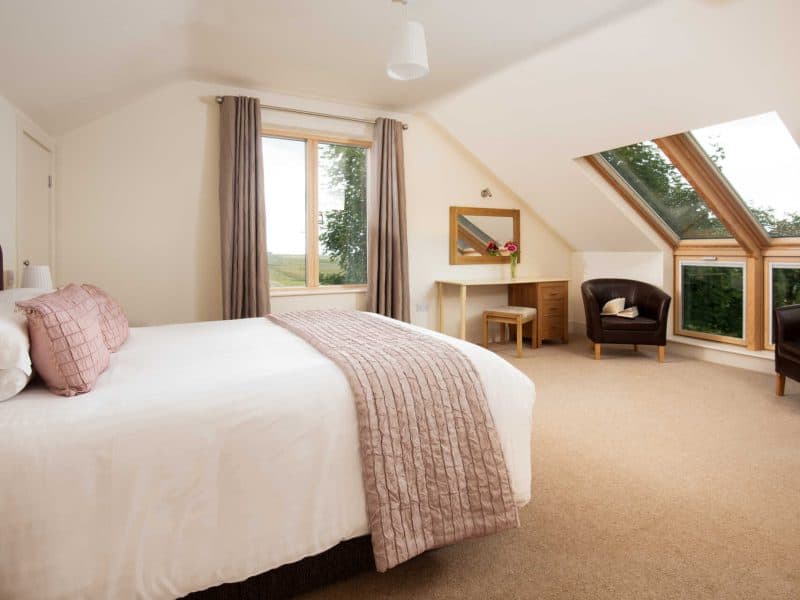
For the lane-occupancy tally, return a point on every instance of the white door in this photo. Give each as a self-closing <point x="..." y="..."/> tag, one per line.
<point x="34" y="218"/>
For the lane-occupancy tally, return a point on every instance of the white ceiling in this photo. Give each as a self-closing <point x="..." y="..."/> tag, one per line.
<point x="67" y="62"/>
<point x="669" y="68"/>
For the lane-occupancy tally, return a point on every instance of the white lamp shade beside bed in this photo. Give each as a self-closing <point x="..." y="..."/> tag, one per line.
<point x="37" y="276"/>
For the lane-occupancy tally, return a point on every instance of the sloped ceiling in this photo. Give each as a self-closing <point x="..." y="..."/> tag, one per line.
<point x="525" y="85"/>
<point x="65" y="63"/>
<point x="668" y="68"/>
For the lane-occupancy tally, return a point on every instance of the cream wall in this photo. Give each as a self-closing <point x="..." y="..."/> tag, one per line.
<point x="642" y="266"/>
<point x="138" y="214"/>
<point x="135" y="211"/>
<point x="441" y="173"/>
<point x="8" y="186"/>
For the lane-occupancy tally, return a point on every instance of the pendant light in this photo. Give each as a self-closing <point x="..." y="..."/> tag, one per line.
<point x="408" y="58"/>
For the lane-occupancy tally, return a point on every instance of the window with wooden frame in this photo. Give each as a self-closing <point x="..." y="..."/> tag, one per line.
<point x="782" y="288"/>
<point x="711" y="299"/>
<point x="726" y="198"/>
<point x="315" y="190"/>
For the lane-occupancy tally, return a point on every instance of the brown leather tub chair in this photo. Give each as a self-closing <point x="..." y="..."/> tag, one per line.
<point x="649" y="328"/>
<point x="786" y="325"/>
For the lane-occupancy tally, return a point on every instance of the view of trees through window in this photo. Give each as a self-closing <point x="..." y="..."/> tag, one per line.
<point x="761" y="161"/>
<point x="785" y="285"/>
<point x="712" y="299"/>
<point x="343" y="227"/>
<point x="757" y="164"/>
<point x="659" y="183"/>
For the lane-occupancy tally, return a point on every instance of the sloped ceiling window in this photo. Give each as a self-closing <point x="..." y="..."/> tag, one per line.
<point x="761" y="161"/>
<point x="661" y="185"/>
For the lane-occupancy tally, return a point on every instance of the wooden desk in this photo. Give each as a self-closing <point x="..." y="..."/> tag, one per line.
<point x="548" y="295"/>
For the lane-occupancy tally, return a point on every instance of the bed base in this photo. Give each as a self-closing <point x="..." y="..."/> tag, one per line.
<point x="344" y="560"/>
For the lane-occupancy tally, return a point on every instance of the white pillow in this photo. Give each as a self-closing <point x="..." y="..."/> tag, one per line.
<point x="12" y="382"/>
<point x="613" y="307"/>
<point x="15" y="359"/>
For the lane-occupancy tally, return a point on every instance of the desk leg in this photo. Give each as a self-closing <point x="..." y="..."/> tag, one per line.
<point x="462" y="332"/>
<point x="440" y="307"/>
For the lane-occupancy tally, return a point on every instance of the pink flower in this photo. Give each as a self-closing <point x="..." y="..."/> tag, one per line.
<point x="511" y="247"/>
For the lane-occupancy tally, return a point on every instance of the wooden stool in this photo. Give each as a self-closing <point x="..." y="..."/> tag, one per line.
<point x="511" y="315"/>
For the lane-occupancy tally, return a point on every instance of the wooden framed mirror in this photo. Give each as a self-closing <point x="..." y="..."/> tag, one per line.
<point x="471" y="229"/>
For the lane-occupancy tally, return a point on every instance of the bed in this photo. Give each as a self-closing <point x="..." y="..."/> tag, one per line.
<point x="208" y="453"/>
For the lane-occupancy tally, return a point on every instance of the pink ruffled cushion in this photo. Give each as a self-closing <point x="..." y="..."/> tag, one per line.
<point x="113" y="321"/>
<point x="67" y="347"/>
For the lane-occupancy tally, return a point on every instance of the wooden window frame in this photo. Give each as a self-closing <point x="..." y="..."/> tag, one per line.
<point x="722" y="200"/>
<point x="769" y="263"/>
<point x="727" y="261"/>
<point x="312" y="141"/>
<point x="750" y="241"/>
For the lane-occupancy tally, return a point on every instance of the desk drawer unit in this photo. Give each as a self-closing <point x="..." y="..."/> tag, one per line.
<point x="550" y="300"/>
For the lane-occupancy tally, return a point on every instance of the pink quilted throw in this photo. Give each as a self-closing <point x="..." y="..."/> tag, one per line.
<point x="113" y="322"/>
<point x="67" y="347"/>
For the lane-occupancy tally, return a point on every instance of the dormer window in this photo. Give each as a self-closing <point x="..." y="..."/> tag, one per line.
<point x="726" y="198"/>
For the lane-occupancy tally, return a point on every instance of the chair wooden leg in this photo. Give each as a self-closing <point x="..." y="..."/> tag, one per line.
<point x="534" y="334"/>
<point x="636" y="347"/>
<point x="662" y="352"/>
<point x="780" y="384"/>
<point x="485" y="332"/>
<point x="519" y="337"/>
<point x="597" y="351"/>
<point x="506" y="334"/>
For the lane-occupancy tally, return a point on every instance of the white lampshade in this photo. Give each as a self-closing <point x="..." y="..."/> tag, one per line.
<point x="37" y="276"/>
<point x="408" y="58"/>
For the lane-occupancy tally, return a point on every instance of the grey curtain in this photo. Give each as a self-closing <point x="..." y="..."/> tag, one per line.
<point x="245" y="278"/>
<point x="387" y="254"/>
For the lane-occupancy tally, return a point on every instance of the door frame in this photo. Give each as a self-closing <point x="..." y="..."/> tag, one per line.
<point x="27" y="128"/>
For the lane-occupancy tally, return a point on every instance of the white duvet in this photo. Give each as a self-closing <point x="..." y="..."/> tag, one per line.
<point x="207" y="453"/>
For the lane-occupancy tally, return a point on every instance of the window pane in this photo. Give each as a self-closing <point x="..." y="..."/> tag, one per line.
<point x="761" y="161"/>
<point x="342" y="215"/>
<point x="662" y="186"/>
<point x="285" y="198"/>
<point x="712" y="299"/>
<point x="785" y="286"/>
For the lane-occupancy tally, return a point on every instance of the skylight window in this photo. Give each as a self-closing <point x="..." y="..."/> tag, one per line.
<point x="761" y="161"/>
<point x="663" y="187"/>
<point x="726" y="198"/>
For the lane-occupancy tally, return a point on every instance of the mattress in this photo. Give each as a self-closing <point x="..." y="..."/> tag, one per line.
<point x="207" y="453"/>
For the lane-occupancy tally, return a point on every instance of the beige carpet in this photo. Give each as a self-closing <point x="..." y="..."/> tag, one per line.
<point x="675" y="480"/>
